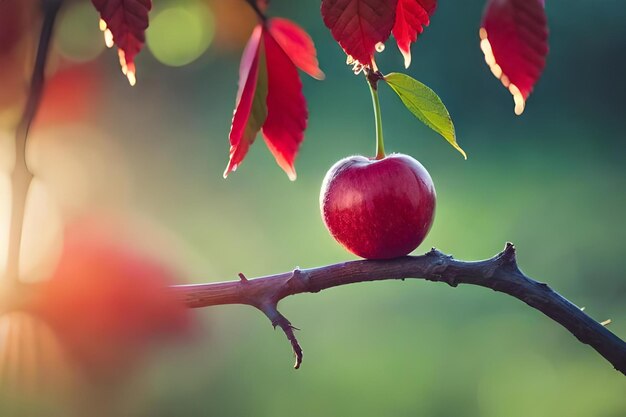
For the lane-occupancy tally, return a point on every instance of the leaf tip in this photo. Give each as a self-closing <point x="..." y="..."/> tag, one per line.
<point x="518" y="98"/>
<point x="132" y="79"/>
<point x="231" y="167"/>
<point x="285" y="163"/>
<point x="291" y="173"/>
<point x="407" y="58"/>
<point x="128" y="68"/>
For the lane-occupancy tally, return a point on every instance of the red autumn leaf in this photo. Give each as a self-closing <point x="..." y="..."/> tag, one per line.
<point x="297" y="44"/>
<point x="251" y="109"/>
<point x="270" y="93"/>
<point x="124" y="23"/>
<point x="411" y="17"/>
<point x="358" y="25"/>
<point x="514" y="39"/>
<point x="287" y="113"/>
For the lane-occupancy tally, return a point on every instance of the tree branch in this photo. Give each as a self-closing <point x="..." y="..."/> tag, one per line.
<point x="21" y="177"/>
<point x="255" y="6"/>
<point x="499" y="273"/>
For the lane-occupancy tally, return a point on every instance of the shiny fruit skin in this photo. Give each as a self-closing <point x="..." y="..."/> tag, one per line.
<point x="378" y="209"/>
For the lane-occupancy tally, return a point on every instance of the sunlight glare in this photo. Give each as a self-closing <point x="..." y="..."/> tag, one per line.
<point x="42" y="232"/>
<point x="496" y="69"/>
<point x="108" y="38"/>
<point x="5" y="213"/>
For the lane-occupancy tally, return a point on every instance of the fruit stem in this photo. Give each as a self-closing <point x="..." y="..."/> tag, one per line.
<point x="372" y="81"/>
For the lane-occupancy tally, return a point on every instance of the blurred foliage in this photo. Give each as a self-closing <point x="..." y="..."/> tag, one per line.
<point x="552" y="181"/>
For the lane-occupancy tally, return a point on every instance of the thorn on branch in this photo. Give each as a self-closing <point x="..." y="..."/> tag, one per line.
<point x="298" y="280"/>
<point x="508" y="259"/>
<point x="296" y="274"/>
<point x="278" y="320"/>
<point x="606" y="322"/>
<point x="242" y="278"/>
<point x="508" y="254"/>
<point x="433" y="252"/>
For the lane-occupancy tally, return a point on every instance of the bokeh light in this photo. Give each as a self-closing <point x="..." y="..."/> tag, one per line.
<point x="77" y="35"/>
<point x="83" y="167"/>
<point x="233" y="24"/>
<point x="5" y="220"/>
<point x="180" y="33"/>
<point x="41" y="237"/>
<point x="33" y="361"/>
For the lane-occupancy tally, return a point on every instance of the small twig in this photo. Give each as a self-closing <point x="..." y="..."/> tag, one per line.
<point x="21" y="177"/>
<point x="499" y="273"/>
<point x="281" y="321"/>
<point x="255" y="6"/>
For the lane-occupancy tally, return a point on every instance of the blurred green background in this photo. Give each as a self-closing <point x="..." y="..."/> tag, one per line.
<point x="552" y="181"/>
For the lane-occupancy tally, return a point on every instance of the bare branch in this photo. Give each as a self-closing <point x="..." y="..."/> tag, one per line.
<point x="281" y="321"/>
<point x="499" y="273"/>
<point x="255" y="6"/>
<point x="21" y="177"/>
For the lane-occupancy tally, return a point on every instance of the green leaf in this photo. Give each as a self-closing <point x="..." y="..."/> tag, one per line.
<point x="425" y="104"/>
<point x="258" y="111"/>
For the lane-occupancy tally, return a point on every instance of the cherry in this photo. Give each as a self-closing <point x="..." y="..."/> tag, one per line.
<point x="378" y="208"/>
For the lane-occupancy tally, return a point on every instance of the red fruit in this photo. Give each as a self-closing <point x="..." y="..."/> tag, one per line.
<point x="378" y="209"/>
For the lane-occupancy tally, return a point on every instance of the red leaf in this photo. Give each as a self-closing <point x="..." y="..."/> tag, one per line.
<point x="297" y="44"/>
<point x="124" y="23"/>
<point x="514" y="39"/>
<point x="358" y="25"/>
<point x="287" y="114"/>
<point x="270" y="95"/>
<point x="411" y="16"/>
<point x="251" y="109"/>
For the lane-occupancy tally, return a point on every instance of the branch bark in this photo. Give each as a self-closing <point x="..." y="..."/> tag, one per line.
<point x="500" y="273"/>
<point x="21" y="177"/>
